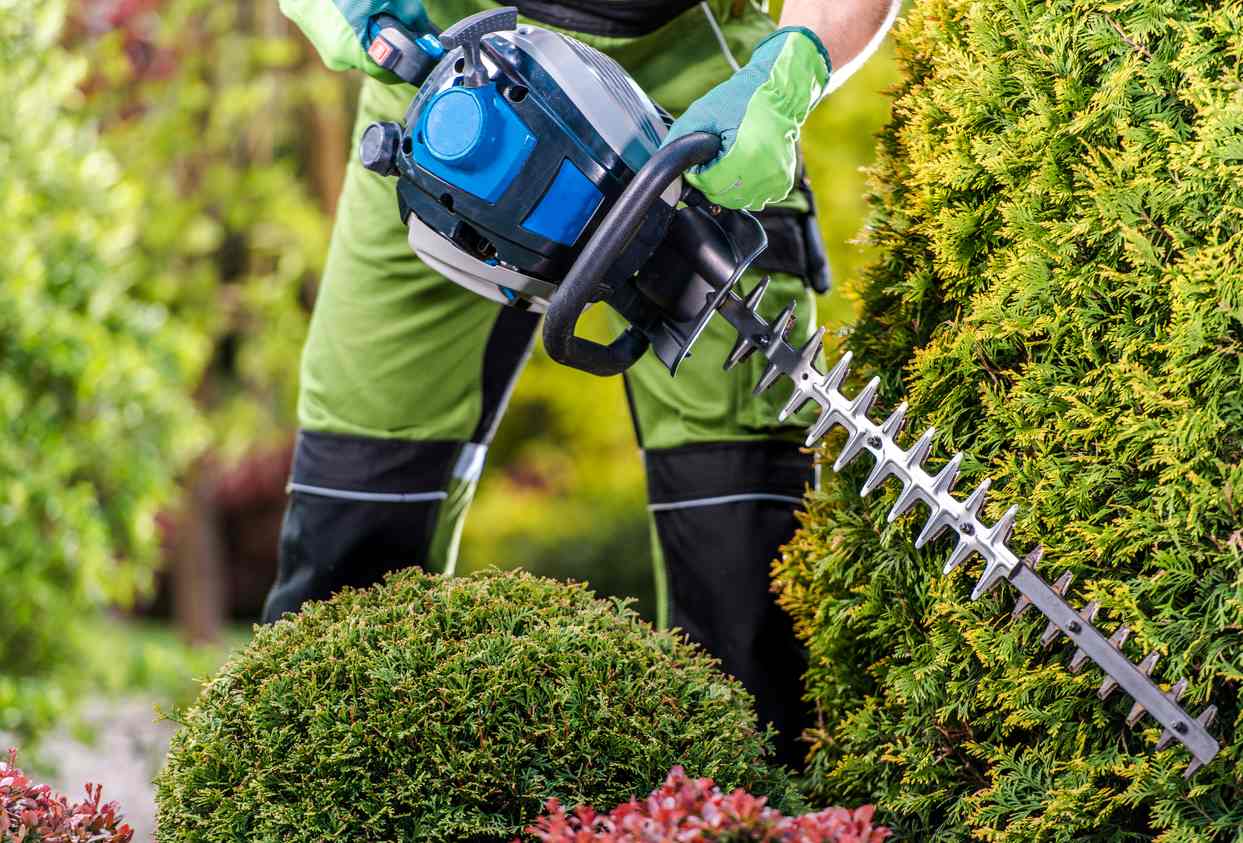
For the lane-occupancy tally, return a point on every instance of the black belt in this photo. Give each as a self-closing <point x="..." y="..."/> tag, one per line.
<point x="632" y="19"/>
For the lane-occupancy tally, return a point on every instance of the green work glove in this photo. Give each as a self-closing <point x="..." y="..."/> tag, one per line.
<point x="341" y="29"/>
<point x="758" y="114"/>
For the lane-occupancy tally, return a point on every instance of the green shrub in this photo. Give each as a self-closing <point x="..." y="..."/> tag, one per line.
<point x="438" y="709"/>
<point x="93" y="413"/>
<point x="1059" y="208"/>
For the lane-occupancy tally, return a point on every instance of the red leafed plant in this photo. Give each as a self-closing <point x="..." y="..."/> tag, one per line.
<point x="30" y="812"/>
<point x="684" y="810"/>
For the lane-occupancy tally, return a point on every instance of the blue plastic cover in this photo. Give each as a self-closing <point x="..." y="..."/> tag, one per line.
<point x="472" y="139"/>
<point x="566" y="208"/>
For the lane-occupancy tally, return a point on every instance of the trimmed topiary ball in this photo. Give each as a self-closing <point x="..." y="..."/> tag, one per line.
<point x="1058" y="206"/>
<point x="436" y="709"/>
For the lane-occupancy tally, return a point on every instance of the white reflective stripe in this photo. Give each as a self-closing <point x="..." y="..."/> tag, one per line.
<point x="840" y="74"/>
<point x="726" y="499"/>
<point x="470" y="462"/>
<point x="720" y="36"/>
<point x="377" y="497"/>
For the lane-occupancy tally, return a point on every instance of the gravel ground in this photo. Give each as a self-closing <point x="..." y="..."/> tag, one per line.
<point x="130" y="741"/>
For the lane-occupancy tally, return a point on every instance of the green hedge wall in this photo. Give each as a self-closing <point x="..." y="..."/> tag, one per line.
<point x="1058" y="205"/>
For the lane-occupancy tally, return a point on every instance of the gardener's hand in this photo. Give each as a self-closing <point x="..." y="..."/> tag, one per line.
<point x="758" y="114"/>
<point x="341" y="29"/>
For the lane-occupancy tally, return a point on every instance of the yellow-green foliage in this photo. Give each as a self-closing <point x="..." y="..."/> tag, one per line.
<point x="1059" y="210"/>
<point x="93" y="412"/>
<point x="447" y="710"/>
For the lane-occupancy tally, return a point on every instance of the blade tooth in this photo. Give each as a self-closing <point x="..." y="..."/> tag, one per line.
<point x="941" y="519"/>
<point x="797" y="401"/>
<point x="836" y="377"/>
<point x="1121" y="634"/>
<point x="1034" y="557"/>
<point x="1000" y="532"/>
<point x="828" y="417"/>
<point x="1020" y="607"/>
<point x="893" y="425"/>
<point x="975" y="501"/>
<point x="811" y="349"/>
<point x="880" y="472"/>
<point x="1063" y="583"/>
<point x="923" y="447"/>
<point x="1088" y="613"/>
<point x="854" y="445"/>
<point x="753" y="299"/>
<point x="993" y="574"/>
<point x="1174" y="694"/>
<point x="1195" y="765"/>
<point x="946" y="477"/>
<point x="862" y="405"/>
<point x="911" y="494"/>
<point x="784" y="322"/>
<point x="1116" y="641"/>
<point x="962" y="552"/>
<point x="1050" y="634"/>
<point x="1207" y="716"/>
<point x="1138" y="711"/>
<point x="771" y="373"/>
<point x="743" y="349"/>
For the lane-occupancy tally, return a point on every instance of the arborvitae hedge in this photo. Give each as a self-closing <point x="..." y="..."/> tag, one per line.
<point x="1059" y="207"/>
<point x="437" y="709"/>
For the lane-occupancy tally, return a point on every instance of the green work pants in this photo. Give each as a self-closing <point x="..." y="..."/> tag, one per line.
<point x="405" y="377"/>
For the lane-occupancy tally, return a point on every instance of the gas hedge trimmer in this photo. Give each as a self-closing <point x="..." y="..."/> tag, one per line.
<point x="531" y="171"/>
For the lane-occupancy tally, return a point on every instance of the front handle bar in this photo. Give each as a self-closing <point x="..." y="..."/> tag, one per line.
<point x="583" y="283"/>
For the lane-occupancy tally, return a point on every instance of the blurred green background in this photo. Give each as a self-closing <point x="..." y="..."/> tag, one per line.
<point x="170" y="173"/>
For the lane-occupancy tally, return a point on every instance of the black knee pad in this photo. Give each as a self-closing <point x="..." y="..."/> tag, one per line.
<point x="358" y="509"/>
<point x="722" y="513"/>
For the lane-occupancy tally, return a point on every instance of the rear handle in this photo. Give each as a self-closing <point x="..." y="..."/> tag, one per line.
<point x="584" y="282"/>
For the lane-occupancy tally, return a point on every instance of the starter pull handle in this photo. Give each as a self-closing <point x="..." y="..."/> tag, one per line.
<point x="583" y="283"/>
<point x="468" y="34"/>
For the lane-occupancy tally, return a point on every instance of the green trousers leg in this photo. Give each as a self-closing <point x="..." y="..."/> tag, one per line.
<point x="405" y="377"/>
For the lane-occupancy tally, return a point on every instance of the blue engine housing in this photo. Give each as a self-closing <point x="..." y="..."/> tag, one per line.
<point x="513" y="171"/>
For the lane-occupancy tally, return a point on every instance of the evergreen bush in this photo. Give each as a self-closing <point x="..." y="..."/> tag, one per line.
<point x="1058" y="203"/>
<point x="437" y="709"/>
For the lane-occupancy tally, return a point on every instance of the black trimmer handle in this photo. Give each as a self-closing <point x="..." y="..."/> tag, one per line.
<point x="583" y="284"/>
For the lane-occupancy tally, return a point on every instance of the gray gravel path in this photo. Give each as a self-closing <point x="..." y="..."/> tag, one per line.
<point x="130" y="741"/>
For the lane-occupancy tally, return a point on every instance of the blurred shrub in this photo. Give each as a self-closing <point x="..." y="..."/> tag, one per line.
<point x="447" y="710"/>
<point x="219" y="111"/>
<point x="1059" y="209"/>
<point x="696" y="810"/>
<point x="93" y="367"/>
<point x="30" y="812"/>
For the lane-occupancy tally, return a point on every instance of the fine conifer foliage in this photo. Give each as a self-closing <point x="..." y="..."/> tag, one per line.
<point x="437" y="709"/>
<point x="1059" y="207"/>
